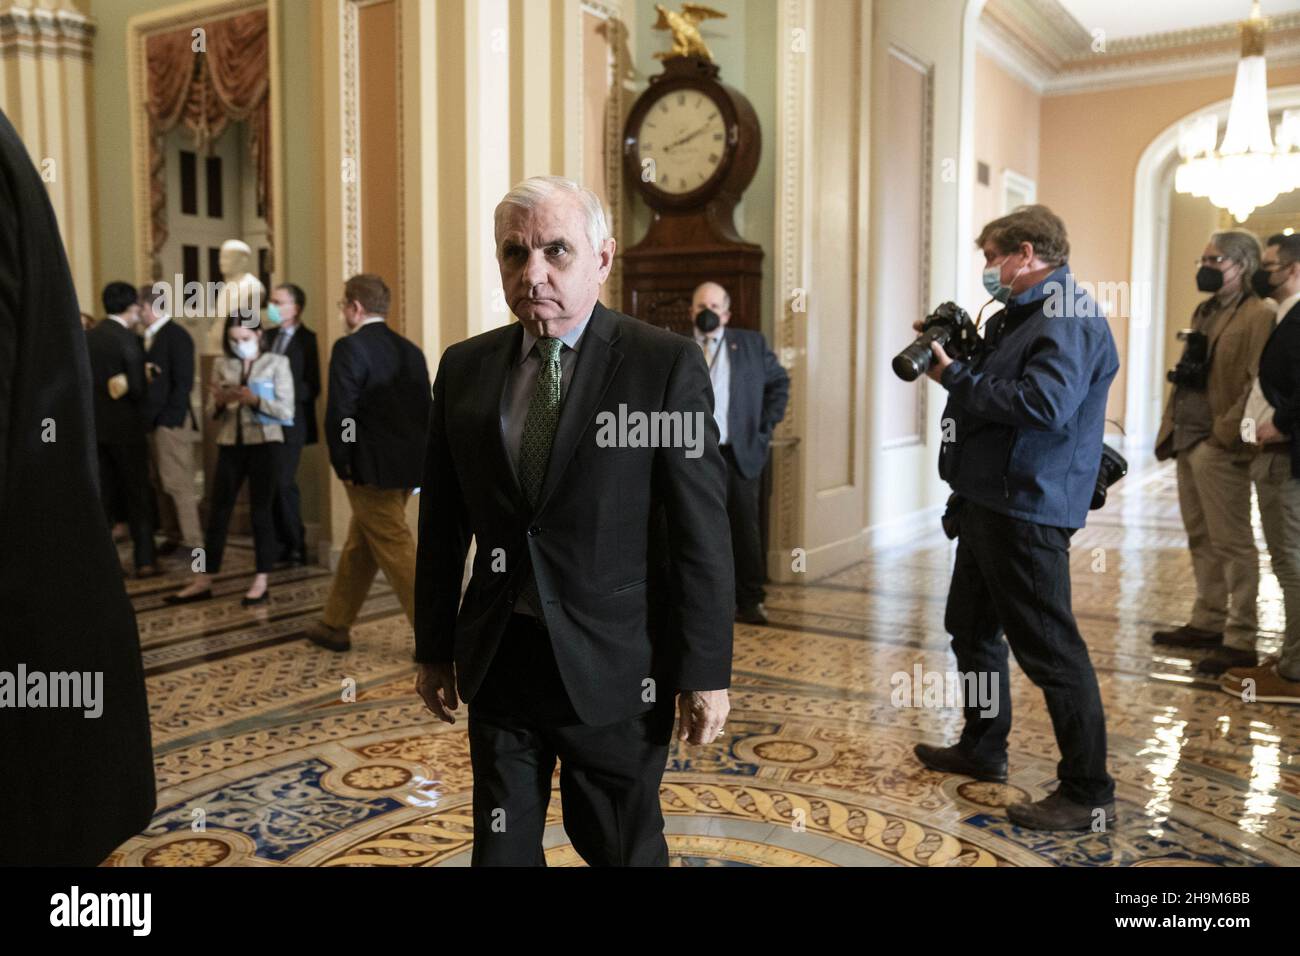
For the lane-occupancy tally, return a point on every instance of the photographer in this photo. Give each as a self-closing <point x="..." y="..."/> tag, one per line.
<point x="1022" y="447"/>
<point x="1202" y="431"/>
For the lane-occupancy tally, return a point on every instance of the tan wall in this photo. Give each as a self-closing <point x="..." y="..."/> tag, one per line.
<point x="1006" y="138"/>
<point x="1091" y="144"/>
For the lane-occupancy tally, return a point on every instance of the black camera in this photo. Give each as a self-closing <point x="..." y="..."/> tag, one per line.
<point x="1113" y="468"/>
<point x="952" y="328"/>
<point x="1193" y="369"/>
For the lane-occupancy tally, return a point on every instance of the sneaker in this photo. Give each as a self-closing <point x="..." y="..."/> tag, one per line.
<point x="1188" y="636"/>
<point x="954" y="760"/>
<point x="1267" y="685"/>
<point x="1056" y="812"/>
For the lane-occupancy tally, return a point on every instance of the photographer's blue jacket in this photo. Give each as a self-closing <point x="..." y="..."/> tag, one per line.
<point x="1029" y="413"/>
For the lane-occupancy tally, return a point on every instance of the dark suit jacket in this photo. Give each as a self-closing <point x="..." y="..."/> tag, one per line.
<point x="630" y="546"/>
<point x="760" y="389"/>
<point x="113" y="351"/>
<point x="172" y="350"/>
<point x="74" y="788"/>
<point x="380" y="381"/>
<point x="1279" y="379"/>
<point x="304" y="362"/>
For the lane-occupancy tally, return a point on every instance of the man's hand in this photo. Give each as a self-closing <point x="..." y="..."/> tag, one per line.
<point x="941" y="362"/>
<point x="702" y="715"/>
<point x="436" y="685"/>
<point x="1267" y="434"/>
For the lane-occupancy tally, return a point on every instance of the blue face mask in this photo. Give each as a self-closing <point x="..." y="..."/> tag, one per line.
<point x="994" y="286"/>
<point x="273" y="314"/>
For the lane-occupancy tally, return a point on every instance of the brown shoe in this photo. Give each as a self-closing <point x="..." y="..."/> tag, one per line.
<point x="1188" y="636"/>
<point x="1262" y="685"/>
<point x="331" y="638"/>
<point x="1225" y="658"/>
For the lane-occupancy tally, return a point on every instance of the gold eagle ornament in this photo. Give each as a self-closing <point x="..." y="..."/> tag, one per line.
<point x="687" y="40"/>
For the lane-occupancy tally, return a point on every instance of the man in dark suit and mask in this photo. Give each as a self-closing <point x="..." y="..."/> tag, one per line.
<point x="76" y="786"/>
<point x="290" y="338"/>
<point x="602" y="576"/>
<point x="121" y="395"/>
<point x="750" y="392"/>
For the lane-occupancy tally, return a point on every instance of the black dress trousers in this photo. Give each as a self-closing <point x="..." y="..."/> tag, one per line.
<point x="1013" y="577"/>
<point x="746" y="536"/>
<point x="520" y="723"/>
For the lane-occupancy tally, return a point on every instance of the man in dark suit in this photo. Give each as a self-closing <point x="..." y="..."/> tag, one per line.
<point x="750" y="392"/>
<point x="1276" y="469"/>
<point x="75" y="787"/>
<point x="121" y="397"/>
<point x="601" y="582"/>
<point x="293" y="339"/>
<point x="169" y="418"/>
<point x="375" y="421"/>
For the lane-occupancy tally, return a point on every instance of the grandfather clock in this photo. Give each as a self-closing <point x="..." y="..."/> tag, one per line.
<point x="690" y="147"/>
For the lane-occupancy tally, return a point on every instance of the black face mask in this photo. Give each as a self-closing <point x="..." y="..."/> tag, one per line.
<point x="1208" y="279"/>
<point x="707" y="321"/>
<point x="1262" y="283"/>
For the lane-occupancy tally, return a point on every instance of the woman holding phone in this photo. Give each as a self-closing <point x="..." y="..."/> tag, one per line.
<point x="252" y="397"/>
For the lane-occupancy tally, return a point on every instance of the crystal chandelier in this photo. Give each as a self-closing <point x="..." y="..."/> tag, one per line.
<point x="1247" y="171"/>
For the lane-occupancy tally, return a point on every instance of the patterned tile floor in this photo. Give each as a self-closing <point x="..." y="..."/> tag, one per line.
<point x="273" y="752"/>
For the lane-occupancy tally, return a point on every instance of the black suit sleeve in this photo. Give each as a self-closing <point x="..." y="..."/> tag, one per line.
<point x="347" y="377"/>
<point x="310" y="369"/>
<point x="10" y="284"/>
<point x="776" y="389"/>
<point x="182" y="380"/>
<point x="444" y="536"/>
<point x="699" y="537"/>
<point x="1287" y="409"/>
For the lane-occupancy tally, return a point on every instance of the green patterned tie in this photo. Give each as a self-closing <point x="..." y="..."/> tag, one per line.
<point x="539" y="424"/>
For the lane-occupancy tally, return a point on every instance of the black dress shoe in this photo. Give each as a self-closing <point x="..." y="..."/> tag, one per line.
<point x="332" y="638"/>
<point x="752" y="614"/>
<point x="188" y="598"/>
<point x="168" y="547"/>
<point x="1056" y="812"/>
<point x="1225" y="658"/>
<point x="1188" y="636"/>
<point x="265" y="598"/>
<point x="953" y="760"/>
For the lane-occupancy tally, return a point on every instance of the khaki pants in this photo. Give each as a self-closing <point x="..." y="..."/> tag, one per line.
<point x="172" y="450"/>
<point x="1279" y="512"/>
<point x="1214" y="496"/>
<point x="378" y="538"/>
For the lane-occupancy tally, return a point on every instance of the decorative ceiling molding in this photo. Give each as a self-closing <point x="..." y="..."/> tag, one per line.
<point x="1041" y="44"/>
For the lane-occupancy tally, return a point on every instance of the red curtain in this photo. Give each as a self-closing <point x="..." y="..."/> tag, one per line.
<point x="205" y="91"/>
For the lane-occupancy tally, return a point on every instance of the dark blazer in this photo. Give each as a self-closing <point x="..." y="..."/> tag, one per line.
<point x="630" y="546"/>
<point x="304" y="362"/>
<point x="75" y="788"/>
<point x="380" y="381"/>
<point x="172" y="350"/>
<point x="760" y="389"/>
<point x="113" y="351"/>
<point x="1279" y="379"/>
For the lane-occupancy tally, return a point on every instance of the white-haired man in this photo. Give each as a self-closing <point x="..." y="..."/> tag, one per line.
<point x="602" y="575"/>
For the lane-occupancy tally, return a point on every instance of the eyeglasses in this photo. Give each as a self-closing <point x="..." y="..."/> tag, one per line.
<point x="1211" y="260"/>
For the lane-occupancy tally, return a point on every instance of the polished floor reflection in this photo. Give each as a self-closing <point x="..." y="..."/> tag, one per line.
<point x="271" y="751"/>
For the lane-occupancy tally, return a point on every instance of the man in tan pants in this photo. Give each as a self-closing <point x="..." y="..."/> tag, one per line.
<point x="1202" y="430"/>
<point x="375" y="421"/>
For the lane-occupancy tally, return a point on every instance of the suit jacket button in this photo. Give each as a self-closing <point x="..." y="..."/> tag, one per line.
<point x="534" y="531"/>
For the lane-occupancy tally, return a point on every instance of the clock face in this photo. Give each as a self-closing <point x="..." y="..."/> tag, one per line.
<point x="682" y="141"/>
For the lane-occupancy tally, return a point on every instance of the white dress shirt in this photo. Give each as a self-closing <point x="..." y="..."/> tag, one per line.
<point x="715" y="354"/>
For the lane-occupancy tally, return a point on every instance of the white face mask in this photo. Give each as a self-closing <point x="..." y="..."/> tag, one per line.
<point x="246" y="349"/>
